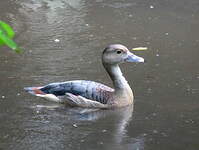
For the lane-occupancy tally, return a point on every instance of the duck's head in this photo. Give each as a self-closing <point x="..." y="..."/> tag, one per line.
<point x="117" y="53"/>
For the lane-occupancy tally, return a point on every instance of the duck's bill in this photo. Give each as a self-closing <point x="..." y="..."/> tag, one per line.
<point x="133" y="58"/>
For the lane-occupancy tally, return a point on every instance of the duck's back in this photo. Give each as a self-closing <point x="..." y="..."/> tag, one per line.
<point x="88" y="89"/>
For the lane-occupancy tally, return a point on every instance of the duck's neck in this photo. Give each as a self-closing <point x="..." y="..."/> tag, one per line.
<point x="119" y="82"/>
<point x="123" y="94"/>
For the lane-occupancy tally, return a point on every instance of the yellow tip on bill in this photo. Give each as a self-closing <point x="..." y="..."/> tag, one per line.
<point x="139" y="49"/>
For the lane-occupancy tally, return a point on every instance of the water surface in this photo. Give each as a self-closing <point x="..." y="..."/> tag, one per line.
<point x="166" y="109"/>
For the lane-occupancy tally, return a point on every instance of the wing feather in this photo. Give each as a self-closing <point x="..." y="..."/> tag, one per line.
<point x="88" y="89"/>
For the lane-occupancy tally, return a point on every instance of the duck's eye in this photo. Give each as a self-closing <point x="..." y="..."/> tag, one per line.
<point x="119" y="52"/>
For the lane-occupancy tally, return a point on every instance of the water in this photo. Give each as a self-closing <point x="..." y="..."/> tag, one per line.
<point x="166" y="108"/>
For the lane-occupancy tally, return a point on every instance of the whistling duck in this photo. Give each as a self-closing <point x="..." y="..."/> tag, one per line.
<point x="83" y="93"/>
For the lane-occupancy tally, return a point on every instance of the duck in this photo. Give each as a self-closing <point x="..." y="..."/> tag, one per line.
<point x="90" y="94"/>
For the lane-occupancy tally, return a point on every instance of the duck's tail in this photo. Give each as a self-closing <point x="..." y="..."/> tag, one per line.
<point x="34" y="90"/>
<point x="38" y="92"/>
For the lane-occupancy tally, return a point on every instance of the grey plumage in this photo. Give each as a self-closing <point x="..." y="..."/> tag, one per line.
<point x="88" y="89"/>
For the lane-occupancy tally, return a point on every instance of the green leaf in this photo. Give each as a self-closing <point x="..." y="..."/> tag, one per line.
<point x="9" y="42"/>
<point x="6" y="35"/>
<point x="139" y="49"/>
<point x="7" y="30"/>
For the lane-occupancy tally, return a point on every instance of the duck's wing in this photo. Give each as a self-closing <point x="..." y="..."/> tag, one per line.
<point x="87" y="89"/>
<point x="79" y="101"/>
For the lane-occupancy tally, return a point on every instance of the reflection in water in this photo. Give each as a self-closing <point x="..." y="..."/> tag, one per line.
<point x="116" y="122"/>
